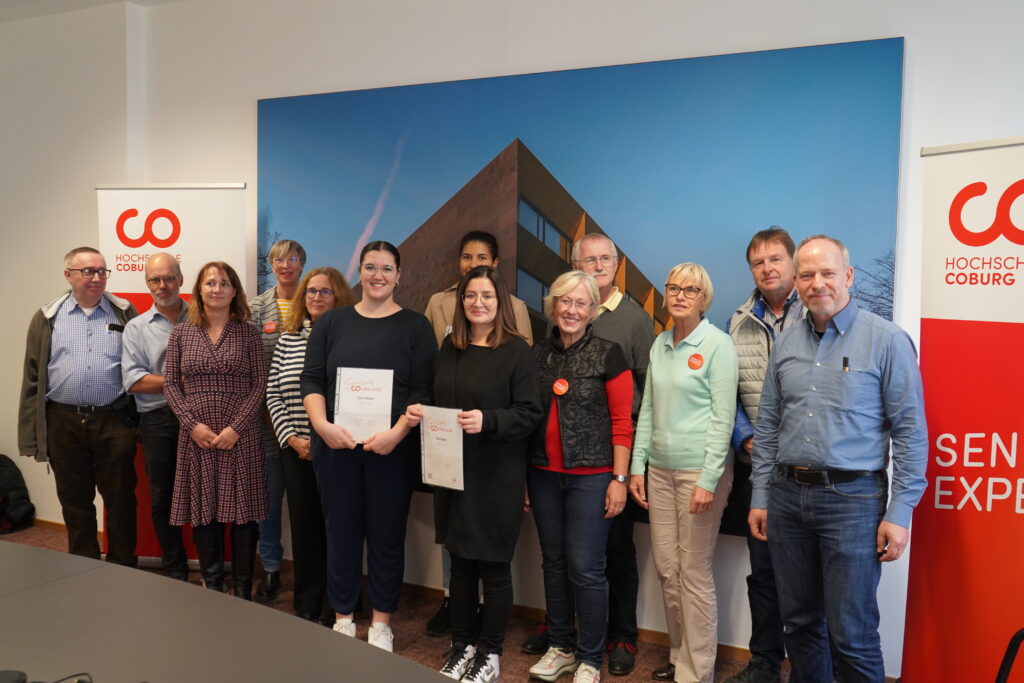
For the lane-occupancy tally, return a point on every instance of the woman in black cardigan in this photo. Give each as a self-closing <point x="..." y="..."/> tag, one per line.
<point x="487" y="370"/>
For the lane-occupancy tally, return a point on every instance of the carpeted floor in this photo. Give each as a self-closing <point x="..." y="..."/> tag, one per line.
<point x="409" y="622"/>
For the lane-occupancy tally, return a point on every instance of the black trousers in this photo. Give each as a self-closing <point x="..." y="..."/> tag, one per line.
<point x="90" y="452"/>
<point x="623" y="577"/>
<point x="766" y="642"/>
<point x="309" y="538"/>
<point x="464" y="602"/>
<point x="158" y="431"/>
<point x="366" y="500"/>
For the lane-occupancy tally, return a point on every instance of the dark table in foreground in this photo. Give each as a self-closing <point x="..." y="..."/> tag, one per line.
<point x="64" y="614"/>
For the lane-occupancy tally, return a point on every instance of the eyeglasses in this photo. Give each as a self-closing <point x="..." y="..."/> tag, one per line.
<point x="88" y="273"/>
<point x="688" y="292"/>
<point x="290" y="260"/>
<point x="603" y="260"/>
<point x="157" y="281"/>
<point x="578" y="305"/>
<point x="371" y="269"/>
<point x="485" y="297"/>
<point x="325" y="293"/>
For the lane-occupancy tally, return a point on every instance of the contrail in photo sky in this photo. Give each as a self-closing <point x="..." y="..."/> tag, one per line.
<point x="378" y="209"/>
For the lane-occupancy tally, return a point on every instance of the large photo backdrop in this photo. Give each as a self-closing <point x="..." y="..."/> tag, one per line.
<point x="676" y="161"/>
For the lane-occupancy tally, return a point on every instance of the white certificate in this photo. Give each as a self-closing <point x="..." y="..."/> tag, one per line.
<point x="441" y="447"/>
<point x="362" y="401"/>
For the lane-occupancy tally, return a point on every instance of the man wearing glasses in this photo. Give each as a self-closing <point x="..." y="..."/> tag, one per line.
<point x="74" y="412"/>
<point x="142" y="369"/>
<point x="621" y="321"/>
<point x="270" y="311"/>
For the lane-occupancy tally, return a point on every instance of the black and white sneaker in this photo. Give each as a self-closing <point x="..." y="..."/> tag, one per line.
<point x="483" y="669"/>
<point x="459" y="658"/>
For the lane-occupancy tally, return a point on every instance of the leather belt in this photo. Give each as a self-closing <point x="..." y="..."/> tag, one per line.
<point x="81" y="410"/>
<point x="808" y="477"/>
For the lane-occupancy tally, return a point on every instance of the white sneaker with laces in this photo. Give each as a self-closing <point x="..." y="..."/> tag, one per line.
<point x="483" y="669"/>
<point x="458" y="661"/>
<point x="553" y="664"/>
<point x="345" y="627"/>
<point x="380" y="635"/>
<point x="587" y="674"/>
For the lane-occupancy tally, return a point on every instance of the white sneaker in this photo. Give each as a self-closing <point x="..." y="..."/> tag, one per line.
<point x="587" y="674"/>
<point x="380" y="635"/>
<point x="483" y="669"/>
<point x="553" y="664"/>
<point x="345" y="627"/>
<point x="458" y="661"/>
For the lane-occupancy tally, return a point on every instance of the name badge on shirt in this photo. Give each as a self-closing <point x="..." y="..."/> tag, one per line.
<point x="114" y="327"/>
<point x="696" y="361"/>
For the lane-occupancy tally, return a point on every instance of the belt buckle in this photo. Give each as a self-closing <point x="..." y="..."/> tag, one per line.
<point x="796" y="475"/>
<point x="85" y="410"/>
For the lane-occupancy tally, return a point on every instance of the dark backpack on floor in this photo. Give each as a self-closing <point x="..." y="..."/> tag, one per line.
<point x="16" y="510"/>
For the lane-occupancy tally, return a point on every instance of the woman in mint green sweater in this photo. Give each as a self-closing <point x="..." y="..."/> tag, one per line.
<point x="682" y="441"/>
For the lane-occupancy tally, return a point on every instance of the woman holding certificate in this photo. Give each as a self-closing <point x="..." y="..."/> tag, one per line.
<point x="321" y="290"/>
<point x="364" y="365"/>
<point x="487" y="370"/>
<point x="682" y="441"/>
<point x="215" y="376"/>
<point x="577" y="483"/>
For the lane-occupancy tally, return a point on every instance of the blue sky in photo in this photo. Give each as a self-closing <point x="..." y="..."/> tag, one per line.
<point x="677" y="161"/>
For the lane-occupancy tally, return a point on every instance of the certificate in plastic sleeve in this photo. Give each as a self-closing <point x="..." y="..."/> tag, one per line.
<point x="441" y="447"/>
<point x="362" y="401"/>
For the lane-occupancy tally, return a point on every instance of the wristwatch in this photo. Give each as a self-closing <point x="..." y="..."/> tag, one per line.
<point x="621" y="478"/>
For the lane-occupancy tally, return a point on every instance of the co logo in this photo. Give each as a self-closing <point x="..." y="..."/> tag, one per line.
<point x="1002" y="224"/>
<point x="147" y="230"/>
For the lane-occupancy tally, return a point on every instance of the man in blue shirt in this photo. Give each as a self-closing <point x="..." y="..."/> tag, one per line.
<point x="839" y="388"/>
<point x="73" y="411"/>
<point x="142" y="370"/>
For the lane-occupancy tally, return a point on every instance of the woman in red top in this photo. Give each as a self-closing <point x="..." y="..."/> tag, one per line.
<point x="577" y="482"/>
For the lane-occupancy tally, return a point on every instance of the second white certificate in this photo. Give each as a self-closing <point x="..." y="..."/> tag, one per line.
<point x="362" y="401"/>
<point x="441" y="447"/>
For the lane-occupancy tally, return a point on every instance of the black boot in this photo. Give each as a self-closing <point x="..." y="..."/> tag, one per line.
<point x="269" y="587"/>
<point x="209" y="540"/>
<point x="243" y="557"/>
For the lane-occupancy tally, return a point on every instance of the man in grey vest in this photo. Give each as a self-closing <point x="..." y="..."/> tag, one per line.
<point x="771" y="307"/>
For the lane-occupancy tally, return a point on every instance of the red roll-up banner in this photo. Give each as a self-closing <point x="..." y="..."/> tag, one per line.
<point x="197" y="223"/>
<point x="965" y="598"/>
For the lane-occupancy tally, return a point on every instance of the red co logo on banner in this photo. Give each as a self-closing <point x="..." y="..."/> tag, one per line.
<point x="1002" y="224"/>
<point x="147" y="231"/>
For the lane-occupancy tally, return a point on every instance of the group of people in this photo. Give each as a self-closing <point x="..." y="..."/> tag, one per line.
<point x="795" y="404"/>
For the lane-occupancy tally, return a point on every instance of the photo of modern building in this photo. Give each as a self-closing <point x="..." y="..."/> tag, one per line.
<point x="536" y="221"/>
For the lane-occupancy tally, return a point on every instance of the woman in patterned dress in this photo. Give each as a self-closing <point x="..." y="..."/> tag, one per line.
<point x="215" y="377"/>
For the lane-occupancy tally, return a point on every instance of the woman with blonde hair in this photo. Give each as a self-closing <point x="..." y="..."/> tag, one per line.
<point x="577" y="481"/>
<point x="682" y="441"/>
<point x="215" y="377"/>
<point x="319" y="291"/>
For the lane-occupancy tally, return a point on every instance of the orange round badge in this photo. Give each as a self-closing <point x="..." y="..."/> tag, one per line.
<point x="560" y="386"/>
<point x="269" y="327"/>
<point x="696" y="361"/>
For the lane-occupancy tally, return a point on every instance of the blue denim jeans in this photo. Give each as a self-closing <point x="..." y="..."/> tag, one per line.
<point x="822" y="541"/>
<point x="270" y="548"/>
<point x="569" y="512"/>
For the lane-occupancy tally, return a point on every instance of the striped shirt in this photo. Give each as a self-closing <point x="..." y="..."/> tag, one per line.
<point x="284" y="400"/>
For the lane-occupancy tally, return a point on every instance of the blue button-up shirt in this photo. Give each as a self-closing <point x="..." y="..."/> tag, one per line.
<point x="145" y="349"/>
<point x="85" y="355"/>
<point x="836" y="402"/>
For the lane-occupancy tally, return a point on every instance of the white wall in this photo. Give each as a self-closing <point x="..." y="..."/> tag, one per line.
<point x="168" y="93"/>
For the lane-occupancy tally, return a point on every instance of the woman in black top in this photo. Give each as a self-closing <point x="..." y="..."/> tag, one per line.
<point x="366" y="487"/>
<point x="486" y="369"/>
